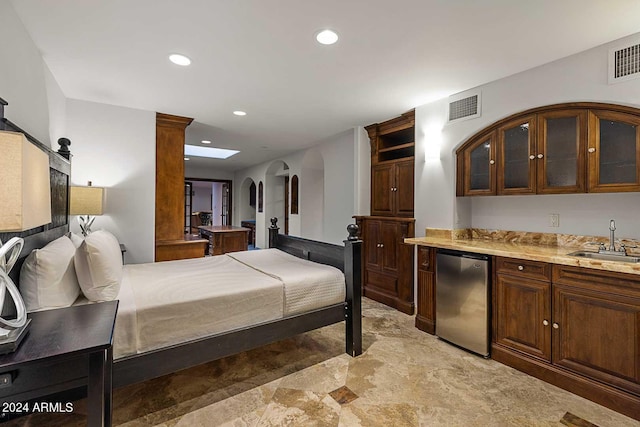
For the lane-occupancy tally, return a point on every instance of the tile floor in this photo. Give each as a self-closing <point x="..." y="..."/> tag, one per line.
<point x="404" y="378"/>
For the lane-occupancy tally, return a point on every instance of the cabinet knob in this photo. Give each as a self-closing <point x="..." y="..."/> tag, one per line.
<point x="531" y="157"/>
<point x="491" y="162"/>
<point x="545" y="322"/>
<point x="520" y="267"/>
<point x="591" y="150"/>
<point x="382" y="245"/>
<point x="555" y="326"/>
<point x="540" y="155"/>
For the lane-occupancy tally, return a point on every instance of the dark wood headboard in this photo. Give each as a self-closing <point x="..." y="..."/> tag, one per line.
<point x="60" y="172"/>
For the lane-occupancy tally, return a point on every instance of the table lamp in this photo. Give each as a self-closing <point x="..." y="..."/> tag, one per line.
<point x="86" y="201"/>
<point x="25" y="198"/>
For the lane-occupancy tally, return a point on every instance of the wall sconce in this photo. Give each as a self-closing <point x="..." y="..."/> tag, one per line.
<point x="25" y="197"/>
<point x="86" y="201"/>
<point x="432" y="142"/>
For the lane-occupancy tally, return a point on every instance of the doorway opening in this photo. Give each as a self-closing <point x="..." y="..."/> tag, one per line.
<point x="209" y="203"/>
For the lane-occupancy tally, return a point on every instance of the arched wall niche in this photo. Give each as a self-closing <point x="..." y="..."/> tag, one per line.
<point x="275" y="203"/>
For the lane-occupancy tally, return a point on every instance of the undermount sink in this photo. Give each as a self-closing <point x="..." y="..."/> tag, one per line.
<point x="605" y="257"/>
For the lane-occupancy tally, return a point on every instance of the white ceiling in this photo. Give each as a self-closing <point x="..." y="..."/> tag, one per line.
<point x="260" y="56"/>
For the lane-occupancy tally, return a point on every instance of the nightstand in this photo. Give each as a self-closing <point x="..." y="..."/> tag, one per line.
<point x="42" y="364"/>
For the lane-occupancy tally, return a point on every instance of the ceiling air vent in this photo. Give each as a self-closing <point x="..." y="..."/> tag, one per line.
<point x="464" y="106"/>
<point x="624" y="63"/>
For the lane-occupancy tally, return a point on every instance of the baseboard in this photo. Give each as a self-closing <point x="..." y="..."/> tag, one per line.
<point x="425" y="325"/>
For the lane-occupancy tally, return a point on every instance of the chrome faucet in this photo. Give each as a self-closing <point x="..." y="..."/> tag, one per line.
<point x="612" y="236"/>
<point x="611" y="250"/>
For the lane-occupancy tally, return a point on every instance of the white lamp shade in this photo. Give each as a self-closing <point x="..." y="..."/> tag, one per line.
<point x="86" y="200"/>
<point x="25" y="191"/>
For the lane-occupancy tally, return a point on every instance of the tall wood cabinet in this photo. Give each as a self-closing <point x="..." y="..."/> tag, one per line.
<point x="388" y="266"/>
<point x="169" y="219"/>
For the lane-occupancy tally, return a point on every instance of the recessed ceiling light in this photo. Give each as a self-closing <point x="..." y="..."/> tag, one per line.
<point x="204" y="141"/>
<point x="186" y="158"/>
<point x="179" y="59"/>
<point x="239" y="113"/>
<point x="327" y="37"/>
<point x="212" y="153"/>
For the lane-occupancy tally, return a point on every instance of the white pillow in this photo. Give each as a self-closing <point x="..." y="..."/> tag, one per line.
<point x="75" y="239"/>
<point x="98" y="263"/>
<point x="48" y="277"/>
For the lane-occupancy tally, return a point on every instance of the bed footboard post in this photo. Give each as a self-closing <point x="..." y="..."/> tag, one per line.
<point x="273" y="233"/>
<point x="353" y="278"/>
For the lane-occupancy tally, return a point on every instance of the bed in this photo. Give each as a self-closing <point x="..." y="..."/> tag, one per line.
<point x="155" y="359"/>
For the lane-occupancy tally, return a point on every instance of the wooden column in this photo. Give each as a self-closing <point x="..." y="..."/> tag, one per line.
<point x="169" y="225"/>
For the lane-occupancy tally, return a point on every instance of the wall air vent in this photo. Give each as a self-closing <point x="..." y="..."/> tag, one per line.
<point x="624" y="63"/>
<point x="464" y="106"/>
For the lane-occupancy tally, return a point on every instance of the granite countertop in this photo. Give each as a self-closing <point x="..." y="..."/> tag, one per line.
<point x="526" y="251"/>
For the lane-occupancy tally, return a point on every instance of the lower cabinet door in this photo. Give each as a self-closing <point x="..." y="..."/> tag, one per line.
<point x="598" y="335"/>
<point x="523" y="315"/>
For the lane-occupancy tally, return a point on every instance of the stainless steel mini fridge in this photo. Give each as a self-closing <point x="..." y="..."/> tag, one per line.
<point x="462" y="299"/>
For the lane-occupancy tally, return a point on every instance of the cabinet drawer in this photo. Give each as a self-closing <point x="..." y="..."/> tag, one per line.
<point x="425" y="258"/>
<point x="523" y="268"/>
<point x="598" y="280"/>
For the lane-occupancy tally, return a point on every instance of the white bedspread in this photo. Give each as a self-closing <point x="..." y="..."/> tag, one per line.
<point x="176" y="301"/>
<point x="167" y="303"/>
<point x="307" y="285"/>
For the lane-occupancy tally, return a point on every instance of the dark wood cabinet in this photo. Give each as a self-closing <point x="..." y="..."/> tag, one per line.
<point x="614" y="151"/>
<point x="426" y="308"/>
<point x="479" y="166"/>
<point x="577" y="328"/>
<point x="392" y="166"/>
<point x="596" y="325"/>
<point x="560" y="153"/>
<point x="516" y="171"/>
<point x="388" y="266"/>
<point x="522" y="309"/>
<point x="556" y="149"/>
<point x="397" y="178"/>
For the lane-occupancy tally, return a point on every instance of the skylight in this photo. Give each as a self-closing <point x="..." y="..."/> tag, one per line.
<point x="210" y="152"/>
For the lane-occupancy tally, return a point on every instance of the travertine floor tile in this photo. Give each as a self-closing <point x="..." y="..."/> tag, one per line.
<point x="404" y="378"/>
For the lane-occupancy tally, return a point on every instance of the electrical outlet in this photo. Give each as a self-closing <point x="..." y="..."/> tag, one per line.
<point x="554" y="220"/>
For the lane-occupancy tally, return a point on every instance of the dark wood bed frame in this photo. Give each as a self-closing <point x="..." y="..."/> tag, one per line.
<point x="347" y="258"/>
<point x="156" y="363"/>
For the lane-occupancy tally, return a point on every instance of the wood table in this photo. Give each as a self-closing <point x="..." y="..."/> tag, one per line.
<point x="225" y="238"/>
<point x="40" y="366"/>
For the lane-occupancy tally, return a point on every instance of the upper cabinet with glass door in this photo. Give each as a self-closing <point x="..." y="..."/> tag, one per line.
<point x="544" y="151"/>
<point x="614" y="152"/>
<point x="516" y="156"/>
<point x="478" y="162"/>
<point x="560" y="153"/>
